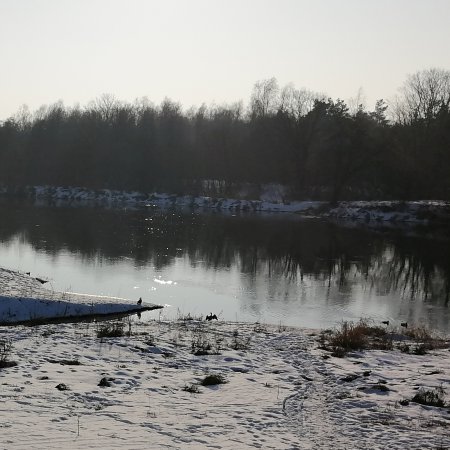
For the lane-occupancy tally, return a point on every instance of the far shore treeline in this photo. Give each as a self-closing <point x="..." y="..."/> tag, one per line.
<point x="319" y="148"/>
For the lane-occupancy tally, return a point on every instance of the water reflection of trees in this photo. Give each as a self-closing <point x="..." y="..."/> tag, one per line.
<point x="414" y="267"/>
<point x="274" y="247"/>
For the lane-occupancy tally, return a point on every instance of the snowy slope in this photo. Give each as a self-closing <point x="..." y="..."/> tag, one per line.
<point x="24" y="298"/>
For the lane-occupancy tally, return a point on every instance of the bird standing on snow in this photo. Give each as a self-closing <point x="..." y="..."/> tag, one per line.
<point x="139" y="302"/>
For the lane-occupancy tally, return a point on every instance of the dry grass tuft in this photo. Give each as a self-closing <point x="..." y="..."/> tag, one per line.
<point x="431" y="397"/>
<point x="213" y="379"/>
<point x="358" y="336"/>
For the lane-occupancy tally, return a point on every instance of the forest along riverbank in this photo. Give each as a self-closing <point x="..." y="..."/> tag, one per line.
<point x="191" y="384"/>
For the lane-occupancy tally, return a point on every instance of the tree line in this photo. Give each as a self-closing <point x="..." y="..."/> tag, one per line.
<point x="317" y="147"/>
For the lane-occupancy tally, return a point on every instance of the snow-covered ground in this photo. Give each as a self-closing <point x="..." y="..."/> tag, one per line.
<point x="280" y="391"/>
<point x="25" y="298"/>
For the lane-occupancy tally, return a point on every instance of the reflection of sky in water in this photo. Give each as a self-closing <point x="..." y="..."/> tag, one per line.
<point x="194" y="289"/>
<point x="269" y="269"/>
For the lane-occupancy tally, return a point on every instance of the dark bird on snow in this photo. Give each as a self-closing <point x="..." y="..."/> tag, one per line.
<point x="404" y="324"/>
<point x="27" y="273"/>
<point x="41" y="280"/>
<point x="386" y="322"/>
<point x="211" y="316"/>
<point x="139" y="302"/>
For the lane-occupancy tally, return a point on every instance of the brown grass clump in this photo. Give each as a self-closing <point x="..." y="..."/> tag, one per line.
<point x="421" y="334"/>
<point x="350" y="337"/>
<point x="424" y="341"/>
<point x="363" y="335"/>
<point x="358" y="336"/>
<point x="111" y="329"/>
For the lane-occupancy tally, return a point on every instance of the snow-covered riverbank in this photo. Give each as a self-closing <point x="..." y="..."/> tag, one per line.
<point x="25" y="298"/>
<point x="72" y="389"/>
<point x="393" y="212"/>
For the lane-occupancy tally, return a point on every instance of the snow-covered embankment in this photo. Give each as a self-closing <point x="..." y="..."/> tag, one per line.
<point x="24" y="298"/>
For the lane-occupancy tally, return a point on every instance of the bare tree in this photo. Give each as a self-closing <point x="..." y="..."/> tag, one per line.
<point x="106" y="105"/>
<point x="423" y="96"/>
<point x="297" y="102"/>
<point x="23" y="117"/>
<point x="358" y="103"/>
<point x="265" y="98"/>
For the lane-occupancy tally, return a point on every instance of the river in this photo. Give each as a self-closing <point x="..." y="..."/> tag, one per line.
<point x="271" y="268"/>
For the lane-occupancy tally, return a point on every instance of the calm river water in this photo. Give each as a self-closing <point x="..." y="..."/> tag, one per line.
<point x="267" y="268"/>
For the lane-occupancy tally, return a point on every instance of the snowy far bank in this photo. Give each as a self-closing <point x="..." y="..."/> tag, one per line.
<point x="24" y="298"/>
<point x="271" y="201"/>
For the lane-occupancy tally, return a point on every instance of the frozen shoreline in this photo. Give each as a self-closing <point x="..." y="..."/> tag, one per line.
<point x="24" y="299"/>
<point x="392" y="212"/>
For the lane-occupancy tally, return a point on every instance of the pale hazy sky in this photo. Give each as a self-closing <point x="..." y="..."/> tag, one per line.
<point x="196" y="51"/>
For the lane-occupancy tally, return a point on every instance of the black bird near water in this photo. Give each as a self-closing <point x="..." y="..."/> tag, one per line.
<point x="404" y="324"/>
<point x="41" y="280"/>
<point x="385" y="322"/>
<point x="139" y="302"/>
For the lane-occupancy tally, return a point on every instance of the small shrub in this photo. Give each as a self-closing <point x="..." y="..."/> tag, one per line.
<point x="240" y="343"/>
<point x="191" y="388"/>
<point x="357" y="336"/>
<point x="5" y="352"/>
<point x="383" y="343"/>
<point x="350" y="337"/>
<point x="204" y="344"/>
<point x="105" y="382"/>
<point x="213" y="379"/>
<point x="70" y="362"/>
<point x="349" y="378"/>
<point x="259" y="328"/>
<point x="201" y="346"/>
<point x="48" y="333"/>
<point x="380" y="387"/>
<point x="404" y="348"/>
<point x="421" y="334"/>
<point x="431" y="397"/>
<point x="421" y="349"/>
<point x="188" y="317"/>
<point x="108" y="330"/>
<point x="338" y="352"/>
